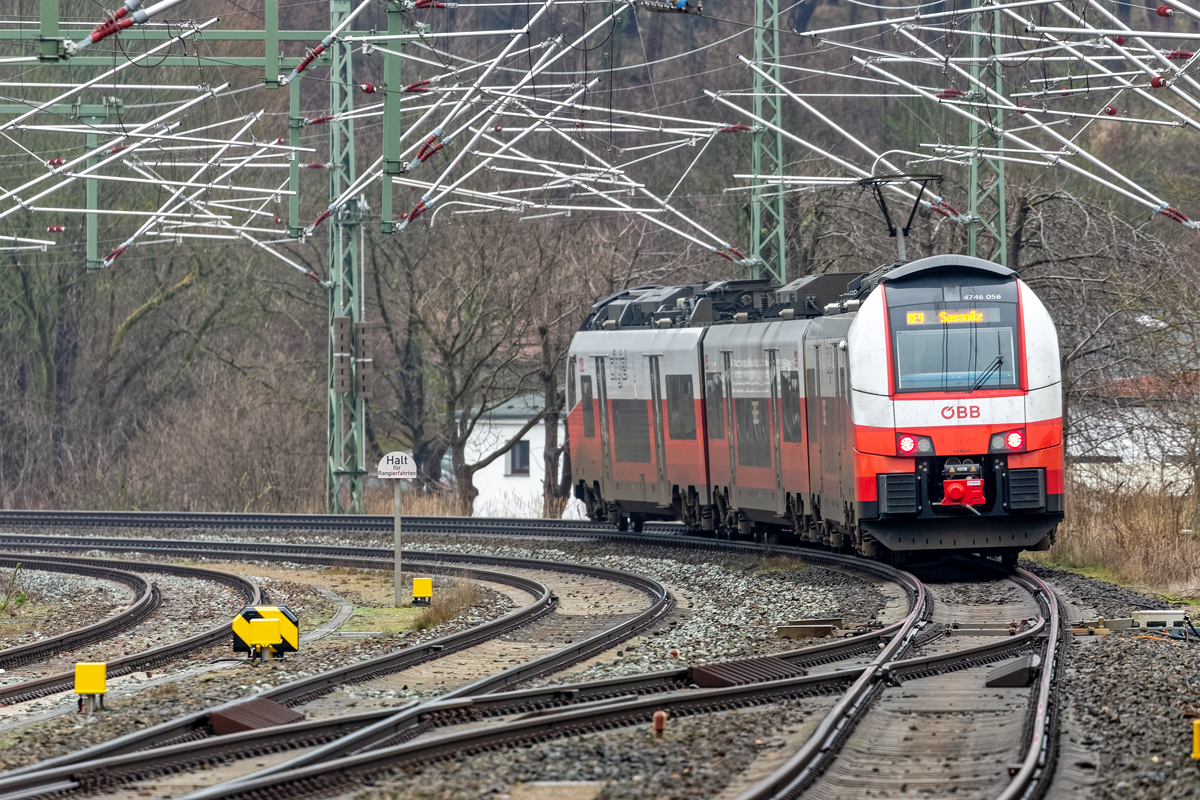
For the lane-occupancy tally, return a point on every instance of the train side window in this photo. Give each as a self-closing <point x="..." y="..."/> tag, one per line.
<point x="790" y="381"/>
<point x="570" y="384"/>
<point x="589" y="410"/>
<point x="714" y="400"/>
<point x="631" y="428"/>
<point x="681" y="407"/>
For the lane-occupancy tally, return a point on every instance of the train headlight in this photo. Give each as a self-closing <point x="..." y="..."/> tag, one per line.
<point x="1008" y="442"/>
<point x="910" y="444"/>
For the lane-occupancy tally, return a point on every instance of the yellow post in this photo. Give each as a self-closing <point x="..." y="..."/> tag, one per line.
<point x="422" y="591"/>
<point x="1196" y="739"/>
<point x="91" y="678"/>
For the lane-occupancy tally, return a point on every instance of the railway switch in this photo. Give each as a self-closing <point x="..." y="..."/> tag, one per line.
<point x="91" y="684"/>
<point x="422" y="591"/>
<point x="266" y="631"/>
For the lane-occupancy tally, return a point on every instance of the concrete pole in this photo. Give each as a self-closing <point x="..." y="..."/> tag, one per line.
<point x="396" y="511"/>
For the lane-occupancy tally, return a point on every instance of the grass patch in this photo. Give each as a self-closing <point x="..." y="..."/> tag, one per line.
<point x="776" y="564"/>
<point x="451" y="600"/>
<point x="386" y="620"/>
<point x="1130" y="535"/>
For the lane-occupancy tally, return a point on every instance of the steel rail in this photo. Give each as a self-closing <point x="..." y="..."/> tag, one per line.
<point x="1033" y="779"/>
<point x="53" y="684"/>
<point x="536" y="699"/>
<point x="302" y="522"/>
<point x="861" y="685"/>
<point x="30" y="780"/>
<point x="797" y="774"/>
<point x="147" y="600"/>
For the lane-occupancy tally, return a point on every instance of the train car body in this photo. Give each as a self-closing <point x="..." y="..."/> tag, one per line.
<point x="921" y="409"/>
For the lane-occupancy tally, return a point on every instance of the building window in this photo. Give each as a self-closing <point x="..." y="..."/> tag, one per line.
<point x="518" y="458"/>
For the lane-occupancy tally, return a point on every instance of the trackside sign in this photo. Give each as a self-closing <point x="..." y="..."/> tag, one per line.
<point x="397" y="465"/>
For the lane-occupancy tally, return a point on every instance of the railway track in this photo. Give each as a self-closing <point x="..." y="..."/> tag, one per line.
<point x="307" y="522"/>
<point x="186" y="731"/>
<point x="147" y="600"/>
<point x="599" y="705"/>
<point x="123" y="571"/>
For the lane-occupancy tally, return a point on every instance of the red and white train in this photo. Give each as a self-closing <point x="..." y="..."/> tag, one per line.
<point x="915" y="408"/>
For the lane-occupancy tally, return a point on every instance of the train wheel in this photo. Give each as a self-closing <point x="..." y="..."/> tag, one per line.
<point x="622" y="522"/>
<point x="638" y="521"/>
<point x="1008" y="559"/>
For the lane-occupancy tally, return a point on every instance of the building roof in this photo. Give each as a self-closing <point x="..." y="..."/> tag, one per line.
<point x="521" y="407"/>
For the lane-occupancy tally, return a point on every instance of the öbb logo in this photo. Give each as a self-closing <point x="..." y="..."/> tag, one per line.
<point x="960" y="412"/>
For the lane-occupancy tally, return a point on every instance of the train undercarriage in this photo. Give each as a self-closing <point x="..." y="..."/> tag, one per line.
<point x="721" y="521"/>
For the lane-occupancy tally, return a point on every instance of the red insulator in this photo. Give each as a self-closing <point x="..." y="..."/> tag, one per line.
<point x="1064" y="91"/>
<point x="1118" y="39"/>
<point x="308" y="59"/>
<point x="1023" y="109"/>
<point x="313" y="275"/>
<point x="278" y="141"/>
<point x="315" y="165"/>
<point x="1174" y="213"/>
<point x="111" y="257"/>
<point x="279" y="220"/>
<point x="417" y="211"/>
<point x="725" y="255"/>
<point x="319" y="120"/>
<point x="418" y="87"/>
<point x="368" y="88"/>
<point x="738" y="253"/>
<point x="735" y="128"/>
<point x="119" y="148"/>
<point x="56" y="162"/>
<point x="1158" y="82"/>
<point x="430" y="152"/>
<point x="1108" y="111"/>
<point x="56" y="229"/>
<point x="1165" y="11"/>
<point x="497" y="129"/>
<point x="324" y="216"/>
<point x="949" y="93"/>
<point x="1180" y="55"/>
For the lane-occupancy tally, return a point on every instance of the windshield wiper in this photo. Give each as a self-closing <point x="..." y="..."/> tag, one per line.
<point x="997" y="362"/>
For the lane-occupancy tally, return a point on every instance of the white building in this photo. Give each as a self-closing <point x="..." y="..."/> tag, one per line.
<point x="511" y="486"/>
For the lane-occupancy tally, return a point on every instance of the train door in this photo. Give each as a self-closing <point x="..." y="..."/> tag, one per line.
<point x="605" y="432"/>
<point x="816" y="439"/>
<point x="831" y="428"/>
<point x="663" y="493"/>
<point x="773" y="373"/>
<point x="730" y="424"/>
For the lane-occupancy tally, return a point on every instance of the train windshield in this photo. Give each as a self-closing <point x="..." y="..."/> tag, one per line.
<point x="951" y="334"/>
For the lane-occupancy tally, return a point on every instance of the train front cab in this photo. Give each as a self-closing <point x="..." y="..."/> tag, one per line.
<point x="956" y="400"/>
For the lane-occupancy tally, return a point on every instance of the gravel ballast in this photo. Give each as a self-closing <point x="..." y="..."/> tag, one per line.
<point x="55" y="603"/>
<point x="697" y="757"/>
